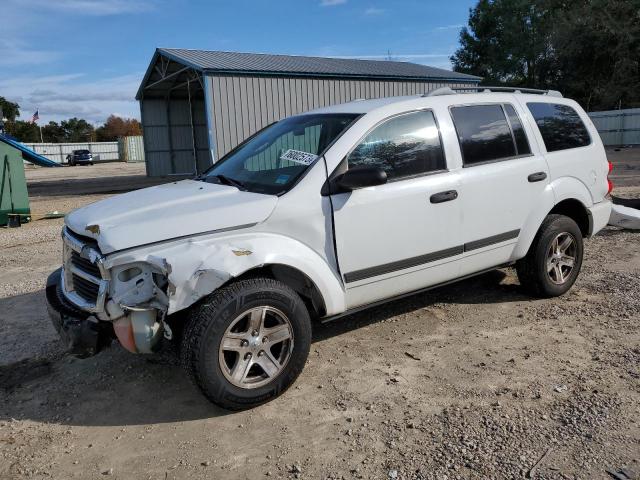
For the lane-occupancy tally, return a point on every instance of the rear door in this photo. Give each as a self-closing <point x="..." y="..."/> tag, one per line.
<point x="502" y="178"/>
<point x="403" y="235"/>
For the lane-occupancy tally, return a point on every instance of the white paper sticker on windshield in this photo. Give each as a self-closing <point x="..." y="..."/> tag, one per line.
<point x="297" y="156"/>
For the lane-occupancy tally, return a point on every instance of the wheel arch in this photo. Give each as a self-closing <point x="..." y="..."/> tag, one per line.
<point x="294" y="278"/>
<point x="571" y="207"/>
<point x="577" y="211"/>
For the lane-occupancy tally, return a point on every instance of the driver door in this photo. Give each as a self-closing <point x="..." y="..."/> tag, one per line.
<point x="406" y="234"/>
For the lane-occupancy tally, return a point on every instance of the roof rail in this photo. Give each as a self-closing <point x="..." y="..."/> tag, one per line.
<point x="483" y="89"/>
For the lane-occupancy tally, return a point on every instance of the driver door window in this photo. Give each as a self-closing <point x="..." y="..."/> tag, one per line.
<point x="404" y="146"/>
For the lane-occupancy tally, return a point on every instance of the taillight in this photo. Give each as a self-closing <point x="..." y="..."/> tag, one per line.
<point x="609" y="182"/>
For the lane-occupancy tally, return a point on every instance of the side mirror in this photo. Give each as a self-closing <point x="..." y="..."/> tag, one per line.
<point x="360" y="177"/>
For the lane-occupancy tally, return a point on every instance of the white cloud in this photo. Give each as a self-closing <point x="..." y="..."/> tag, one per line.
<point x="74" y="95"/>
<point x="332" y="3"/>
<point x="16" y="53"/>
<point x="88" y="7"/>
<point x="374" y="11"/>
<point x="449" y="27"/>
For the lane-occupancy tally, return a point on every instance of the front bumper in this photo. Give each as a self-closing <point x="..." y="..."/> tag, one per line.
<point x="83" y="334"/>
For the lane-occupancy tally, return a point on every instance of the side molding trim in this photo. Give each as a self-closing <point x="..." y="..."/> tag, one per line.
<point x="403" y="264"/>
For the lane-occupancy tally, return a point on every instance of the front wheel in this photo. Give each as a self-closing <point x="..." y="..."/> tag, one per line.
<point x="554" y="258"/>
<point x="247" y="343"/>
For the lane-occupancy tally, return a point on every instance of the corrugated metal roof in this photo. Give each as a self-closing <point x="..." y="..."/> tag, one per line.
<point x="235" y="62"/>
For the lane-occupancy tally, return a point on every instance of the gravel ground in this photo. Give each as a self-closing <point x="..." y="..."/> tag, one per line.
<point x="475" y="380"/>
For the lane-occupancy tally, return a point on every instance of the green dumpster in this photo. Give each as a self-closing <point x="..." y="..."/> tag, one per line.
<point x="13" y="185"/>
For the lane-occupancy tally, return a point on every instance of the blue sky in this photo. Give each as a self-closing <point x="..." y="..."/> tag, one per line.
<point x="86" y="58"/>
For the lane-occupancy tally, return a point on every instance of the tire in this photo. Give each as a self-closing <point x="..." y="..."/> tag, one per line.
<point x="545" y="271"/>
<point x="234" y="378"/>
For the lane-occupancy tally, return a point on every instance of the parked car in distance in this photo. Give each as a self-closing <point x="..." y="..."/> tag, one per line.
<point x="326" y="213"/>
<point x="80" y="157"/>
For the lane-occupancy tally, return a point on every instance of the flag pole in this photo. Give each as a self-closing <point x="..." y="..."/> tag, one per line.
<point x="41" y="140"/>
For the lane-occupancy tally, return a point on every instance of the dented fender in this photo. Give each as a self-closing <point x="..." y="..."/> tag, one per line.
<point x="197" y="266"/>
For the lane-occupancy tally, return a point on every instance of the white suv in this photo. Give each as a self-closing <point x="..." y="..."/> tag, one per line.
<point x="326" y="213"/>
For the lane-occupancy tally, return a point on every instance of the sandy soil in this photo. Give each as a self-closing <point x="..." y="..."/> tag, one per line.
<point x="474" y="380"/>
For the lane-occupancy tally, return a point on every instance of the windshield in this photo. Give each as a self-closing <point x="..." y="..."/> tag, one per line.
<point x="276" y="157"/>
<point x="82" y="152"/>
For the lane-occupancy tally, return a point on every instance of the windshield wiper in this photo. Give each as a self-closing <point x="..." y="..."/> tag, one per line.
<point x="230" y="181"/>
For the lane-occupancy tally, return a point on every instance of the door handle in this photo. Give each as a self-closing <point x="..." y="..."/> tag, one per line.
<point x="443" y="196"/>
<point x="537" y="177"/>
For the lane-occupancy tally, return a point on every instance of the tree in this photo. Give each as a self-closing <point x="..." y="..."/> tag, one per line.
<point x="116" y="127"/>
<point x="10" y="110"/>
<point x="53" y="133"/>
<point x="77" y="130"/>
<point x="588" y="49"/>
<point x="24" y="131"/>
<point x="598" y="53"/>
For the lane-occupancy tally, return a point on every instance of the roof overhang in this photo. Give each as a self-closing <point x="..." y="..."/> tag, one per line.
<point x="166" y="67"/>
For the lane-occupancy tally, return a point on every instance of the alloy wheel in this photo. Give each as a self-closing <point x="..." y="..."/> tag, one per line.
<point x="256" y="347"/>
<point x="561" y="257"/>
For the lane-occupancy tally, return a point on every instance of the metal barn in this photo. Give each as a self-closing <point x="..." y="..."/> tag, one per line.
<point x="197" y="105"/>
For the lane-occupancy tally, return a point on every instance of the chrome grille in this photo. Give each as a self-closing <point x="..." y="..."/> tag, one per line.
<point x="86" y="289"/>
<point x="83" y="279"/>
<point x="84" y="264"/>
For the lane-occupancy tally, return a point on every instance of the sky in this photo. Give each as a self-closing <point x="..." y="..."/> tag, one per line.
<point x="86" y="58"/>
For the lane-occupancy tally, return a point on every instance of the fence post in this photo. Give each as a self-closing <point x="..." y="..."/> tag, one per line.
<point x="61" y="154"/>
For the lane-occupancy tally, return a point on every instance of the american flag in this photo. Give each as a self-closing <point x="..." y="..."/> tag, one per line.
<point x="35" y="117"/>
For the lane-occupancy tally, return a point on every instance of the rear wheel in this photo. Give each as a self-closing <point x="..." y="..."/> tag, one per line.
<point x="554" y="258"/>
<point x="247" y="343"/>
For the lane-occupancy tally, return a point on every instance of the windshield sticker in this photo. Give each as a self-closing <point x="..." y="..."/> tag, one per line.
<point x="282" y="179"/>
<point x="297" y="156"/>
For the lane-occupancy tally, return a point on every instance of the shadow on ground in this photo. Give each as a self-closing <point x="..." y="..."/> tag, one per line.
<point x="93" y="186"/>
<point x="117" y="388"/>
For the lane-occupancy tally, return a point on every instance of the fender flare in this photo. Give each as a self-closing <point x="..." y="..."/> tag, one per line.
<point x="566" y="188"/>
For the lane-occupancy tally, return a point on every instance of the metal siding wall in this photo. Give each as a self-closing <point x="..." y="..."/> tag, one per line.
<point x="155" y="132"/>
<point x="244" y="105"/>
<point x="175" y="134"/>
<point x="618" y="127"/>
<point x="102" y="151"/>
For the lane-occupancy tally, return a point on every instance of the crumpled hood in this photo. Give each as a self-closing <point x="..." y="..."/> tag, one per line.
<point x="168" y="211"/>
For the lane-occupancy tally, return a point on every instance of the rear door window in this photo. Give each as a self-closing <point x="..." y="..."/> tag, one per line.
<point x="560" y="126"/>
<point x="484" y="134"/>
<point x="519" y="136"/>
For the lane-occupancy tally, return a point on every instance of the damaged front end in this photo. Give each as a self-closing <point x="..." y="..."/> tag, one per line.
<point x="90" y="303"/>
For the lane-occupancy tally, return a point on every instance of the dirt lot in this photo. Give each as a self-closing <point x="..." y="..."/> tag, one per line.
<point x="475" y="380"/>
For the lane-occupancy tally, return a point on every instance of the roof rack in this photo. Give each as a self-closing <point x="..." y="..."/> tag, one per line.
<point x="486" y="89"/>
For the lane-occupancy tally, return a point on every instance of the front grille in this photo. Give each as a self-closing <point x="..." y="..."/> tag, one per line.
<point x="86" y="289"/>
<point x="82" y="238"/>
<point x="83" y="282"/>
<point x="85" y="265"/>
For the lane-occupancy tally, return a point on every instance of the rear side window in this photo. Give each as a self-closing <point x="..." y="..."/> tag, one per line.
<point x="404" y="146"/>
<point x="560" y="126"/>
<point x="486" y="135"/>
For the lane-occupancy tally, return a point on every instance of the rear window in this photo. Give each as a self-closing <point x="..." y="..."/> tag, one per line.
<point x="486" y="135"/>
<point x="560" y="126"/>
